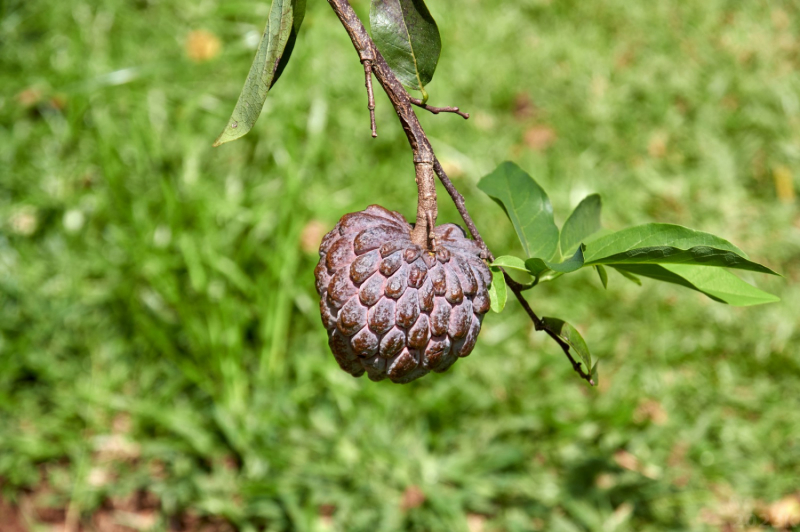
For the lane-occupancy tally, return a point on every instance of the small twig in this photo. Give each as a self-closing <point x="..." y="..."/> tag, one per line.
<point x="575" y="365"/>
<point x="370" y="96"/>
<point x="539" y="325"/>
<point x="437" y="110"/>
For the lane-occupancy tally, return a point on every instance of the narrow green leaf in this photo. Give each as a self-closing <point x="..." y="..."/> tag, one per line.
<point x="581" y="224"/>
<point x="497" y="290"/>
<point x="572" y="338"/>
<point x="666" y="243"/>
<point x="628" y="275"/>
<point x="272" y="55"/>
<point x="527" y="206"/>
<point x="601" y="271"/>
<point x="595" y="373"/>
<point x="299" y="13"/>
<point x="407" y="36"/>
<point x="717" y="283"/>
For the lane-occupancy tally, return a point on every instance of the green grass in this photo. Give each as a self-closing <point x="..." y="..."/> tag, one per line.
<point x="158" y="322"/>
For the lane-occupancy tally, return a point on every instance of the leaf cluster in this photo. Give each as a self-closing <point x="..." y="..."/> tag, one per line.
<point x="664" y="252"/>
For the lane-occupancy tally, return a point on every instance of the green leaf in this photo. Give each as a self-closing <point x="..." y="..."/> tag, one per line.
<point x="601" y="271"/>
<point x="272" y="55"/>
<point x="718" y="284"/>
<point x="572" y="338"/>
<point x="538" y="266"/>
<point x="527" y="206"/>
<point x="541" y="270"/>
<point x="510" y="263"/>
<point x="666" y="243"/>
<point x="407" y="36"/>
<point x="497" y="290"/>
<point x="595" y="373"/>
<point x="581" y="224"/>
<point x="628" y="275"/>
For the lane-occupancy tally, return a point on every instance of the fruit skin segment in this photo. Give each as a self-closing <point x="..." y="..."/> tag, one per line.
<point x="392" y="309"/>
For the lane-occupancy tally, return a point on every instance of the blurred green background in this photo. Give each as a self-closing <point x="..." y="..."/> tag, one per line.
<point x="162" y="363"/>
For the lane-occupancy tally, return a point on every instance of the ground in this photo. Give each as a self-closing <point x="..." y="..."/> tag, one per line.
<point x="162" y="361"/>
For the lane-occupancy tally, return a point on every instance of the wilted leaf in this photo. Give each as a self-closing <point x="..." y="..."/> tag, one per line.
<point x="285" y="18"/>
<point x="527" y="206"/>
<point x="407" y="36"/>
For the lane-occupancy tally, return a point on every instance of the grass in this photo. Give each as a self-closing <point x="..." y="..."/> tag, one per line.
<point x="159" y="332"/>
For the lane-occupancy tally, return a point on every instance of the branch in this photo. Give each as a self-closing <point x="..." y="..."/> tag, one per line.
<point x="425" y="161"/>
<point x="437" y="110"/>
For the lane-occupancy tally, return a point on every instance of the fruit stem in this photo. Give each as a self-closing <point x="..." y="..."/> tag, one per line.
<point x="427" y="209"/>
<point x="401" y="101"/>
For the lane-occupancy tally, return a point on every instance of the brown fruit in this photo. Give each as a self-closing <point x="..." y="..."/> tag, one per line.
<point x="393" y="309"/>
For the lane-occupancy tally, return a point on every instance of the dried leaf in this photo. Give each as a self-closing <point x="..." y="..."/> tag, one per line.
<point x="413" y="497"/>
<point x="202" y="45"/>
<point x="784" y="184"/>
<point x="540" y="137"/>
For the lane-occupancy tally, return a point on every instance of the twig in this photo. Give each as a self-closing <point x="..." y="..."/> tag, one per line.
<point x="539" y="325"/>
<point x="370" y="96"/>
<point x="461" y="206"/>
<point x="437" y="110"/>
<point x="425" y="161"/>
